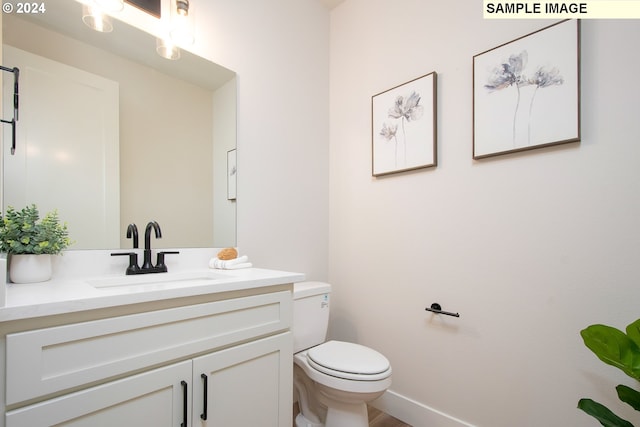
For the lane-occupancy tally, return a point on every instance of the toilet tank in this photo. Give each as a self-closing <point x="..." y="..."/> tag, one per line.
<point x="310" y="314"/>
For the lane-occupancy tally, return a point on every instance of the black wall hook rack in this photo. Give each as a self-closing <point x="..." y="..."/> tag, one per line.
<point x="436" y="308"/>
<point x="12" y="122"/>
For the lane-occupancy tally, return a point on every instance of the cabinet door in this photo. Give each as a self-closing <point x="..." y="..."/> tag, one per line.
<point x="155" y="398"/>
<point x="246" y="385"/>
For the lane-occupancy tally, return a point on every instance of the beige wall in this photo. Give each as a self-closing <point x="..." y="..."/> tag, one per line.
<point x="529" y="248"/>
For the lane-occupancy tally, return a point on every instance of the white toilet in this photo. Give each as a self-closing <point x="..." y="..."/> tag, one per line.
<point x="333" y="380"/>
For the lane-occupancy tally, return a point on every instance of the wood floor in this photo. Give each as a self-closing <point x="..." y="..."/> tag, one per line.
<point x="377" y="418"/>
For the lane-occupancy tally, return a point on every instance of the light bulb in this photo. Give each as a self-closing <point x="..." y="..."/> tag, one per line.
<point x="93" y="17"/>
<point x="167" y="49"/>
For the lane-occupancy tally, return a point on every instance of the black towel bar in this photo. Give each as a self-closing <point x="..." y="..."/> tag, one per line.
<point x="436" y="308"/>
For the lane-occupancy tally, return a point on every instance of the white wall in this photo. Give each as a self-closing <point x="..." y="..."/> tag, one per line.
<point x="530" y="248"/>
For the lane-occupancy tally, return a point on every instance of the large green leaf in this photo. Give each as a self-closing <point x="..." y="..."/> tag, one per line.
<point x="633" y="332"/>
<point x="629" y="396"/>
<point x="602" y="414"/>
<point x="613" y="347"/>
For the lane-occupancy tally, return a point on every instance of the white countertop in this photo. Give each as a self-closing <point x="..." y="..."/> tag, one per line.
<point x="72" y="293"/>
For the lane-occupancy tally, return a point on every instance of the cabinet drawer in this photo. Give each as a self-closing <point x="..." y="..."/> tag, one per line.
<point x="50" y="360"/>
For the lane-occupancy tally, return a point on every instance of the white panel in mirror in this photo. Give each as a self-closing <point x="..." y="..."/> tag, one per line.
<point x="66" y="161"/>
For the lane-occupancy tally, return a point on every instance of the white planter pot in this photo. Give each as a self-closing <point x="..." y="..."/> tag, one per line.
<point x="30" y="268"/>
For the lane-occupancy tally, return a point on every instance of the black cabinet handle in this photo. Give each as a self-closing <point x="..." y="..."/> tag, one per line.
<point x="184" y="403"/>
<point x="205" y="380"/>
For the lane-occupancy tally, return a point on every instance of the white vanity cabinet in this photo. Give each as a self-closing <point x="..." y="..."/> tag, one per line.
<point x="219" y="363"/>
<point x="244" y="385"/>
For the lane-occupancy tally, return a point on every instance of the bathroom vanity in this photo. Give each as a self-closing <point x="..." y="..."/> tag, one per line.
<point x="190" y="348"/>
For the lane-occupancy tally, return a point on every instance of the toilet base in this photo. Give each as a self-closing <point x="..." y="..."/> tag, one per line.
<point x="302" y="421"/>
<point x="346" y="409"/>
<point x="342" y="415"/>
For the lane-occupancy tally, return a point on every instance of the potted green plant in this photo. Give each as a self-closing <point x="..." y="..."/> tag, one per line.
<point x="619" y="349"/>
<point x="30" y="241"/>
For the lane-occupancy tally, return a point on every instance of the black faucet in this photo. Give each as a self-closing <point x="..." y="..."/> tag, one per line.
<point x="132" y="231"/>
<point x="147" y="243"/>
<point x="147" y="267"/>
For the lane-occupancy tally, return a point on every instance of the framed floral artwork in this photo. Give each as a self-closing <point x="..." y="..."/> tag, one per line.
<point x="403" y="127"/>
<point x="526" y="93"/>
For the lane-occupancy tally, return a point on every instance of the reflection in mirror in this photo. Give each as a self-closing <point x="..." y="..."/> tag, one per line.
<point x="110" y="133"/>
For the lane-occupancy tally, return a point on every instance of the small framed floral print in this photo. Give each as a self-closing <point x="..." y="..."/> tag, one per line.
<point x="403" y="127"/>
<point x="526" y="93"/>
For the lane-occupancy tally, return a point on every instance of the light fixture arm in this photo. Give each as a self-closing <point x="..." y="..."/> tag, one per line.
<point x="16" y="103"/>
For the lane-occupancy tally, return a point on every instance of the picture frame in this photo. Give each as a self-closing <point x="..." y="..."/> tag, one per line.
<point x="526" y="93"/>
<point x="403" y="127"/>
<point x="232" y="173"/>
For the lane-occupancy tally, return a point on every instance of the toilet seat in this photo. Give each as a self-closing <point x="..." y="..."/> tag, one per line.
<point x="349" y="361"/>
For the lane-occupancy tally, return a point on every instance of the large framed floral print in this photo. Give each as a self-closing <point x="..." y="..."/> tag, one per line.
<point x="403" y="127"/>
<point x="526" y="93"/>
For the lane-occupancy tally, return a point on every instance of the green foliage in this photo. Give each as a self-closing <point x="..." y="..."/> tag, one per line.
<point x="602" y="414"/>
<point x="629" y="396"/>
<point x="23" y="232"/>
<point x="621" y="350"/>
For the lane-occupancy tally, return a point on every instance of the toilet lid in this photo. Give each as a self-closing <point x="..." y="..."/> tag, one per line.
<point x="349" y="360"/>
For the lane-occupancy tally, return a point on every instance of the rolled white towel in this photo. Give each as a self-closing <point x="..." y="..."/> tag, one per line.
<point x="240" y="262"/>
<point x="236" y="266"/>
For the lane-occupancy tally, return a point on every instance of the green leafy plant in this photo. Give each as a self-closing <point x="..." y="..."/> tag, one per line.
<point x="23" y="232"/>
<point x="621" y="350"/>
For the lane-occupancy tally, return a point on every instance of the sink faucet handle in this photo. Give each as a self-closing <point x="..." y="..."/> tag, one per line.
<point x="160" y="259"/>
<point x="132" y="231"/>
<point x="133" y="261"/>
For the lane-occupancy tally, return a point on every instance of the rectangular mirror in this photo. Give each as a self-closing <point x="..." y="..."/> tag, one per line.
<point x="109" y="133"/>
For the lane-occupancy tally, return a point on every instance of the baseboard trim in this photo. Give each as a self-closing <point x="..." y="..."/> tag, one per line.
<point x="415" y="413"/>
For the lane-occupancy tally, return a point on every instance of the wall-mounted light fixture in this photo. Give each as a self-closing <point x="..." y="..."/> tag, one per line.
<point x="182" y="7"/>
<point x="94" y="17"/>
<point x="179" y="25"/>
<point x="182" y="23"/>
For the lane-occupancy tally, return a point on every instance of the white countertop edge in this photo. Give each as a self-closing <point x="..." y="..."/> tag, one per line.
<point x="25" y="301"/>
